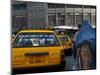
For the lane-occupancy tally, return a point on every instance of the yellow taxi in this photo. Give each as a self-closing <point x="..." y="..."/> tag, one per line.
<point x="36" y="48"/>
<point x="66" y="43"/>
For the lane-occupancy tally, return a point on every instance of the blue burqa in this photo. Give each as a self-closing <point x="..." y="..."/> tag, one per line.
<point x="85" y="35"/>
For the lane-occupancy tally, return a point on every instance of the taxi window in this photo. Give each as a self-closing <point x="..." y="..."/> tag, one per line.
<point x="63" y="38"/>
<point x="35" y="40"/>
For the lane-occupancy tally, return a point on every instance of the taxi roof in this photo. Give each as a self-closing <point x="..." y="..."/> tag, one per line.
<point x="36" y="31"/>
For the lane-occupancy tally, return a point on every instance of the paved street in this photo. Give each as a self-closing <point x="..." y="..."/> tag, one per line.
<point x="69" y="63"/>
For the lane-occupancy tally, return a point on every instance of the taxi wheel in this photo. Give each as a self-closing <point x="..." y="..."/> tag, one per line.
<point x="68" y="52"/>
<point x="62" y="64"/>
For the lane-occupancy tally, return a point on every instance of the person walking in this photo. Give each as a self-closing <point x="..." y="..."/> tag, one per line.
<point x="84" y="48"/>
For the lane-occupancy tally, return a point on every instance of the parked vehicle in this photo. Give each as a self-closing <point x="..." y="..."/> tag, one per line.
<point x="67" y="43"/>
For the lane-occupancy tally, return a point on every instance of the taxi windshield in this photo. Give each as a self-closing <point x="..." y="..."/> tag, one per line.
<point x="63" y="38"/>
<point x="35" y="40"/>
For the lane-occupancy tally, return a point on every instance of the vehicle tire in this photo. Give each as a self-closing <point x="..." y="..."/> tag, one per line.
<point x="63" y="63"/>
<point x="68" y="52"/>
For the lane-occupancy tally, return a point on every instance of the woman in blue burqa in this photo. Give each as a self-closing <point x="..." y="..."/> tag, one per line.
<point x="84" y="48"/>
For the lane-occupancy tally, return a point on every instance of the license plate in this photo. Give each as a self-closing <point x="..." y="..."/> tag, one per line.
<point x="37" y="59"/>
